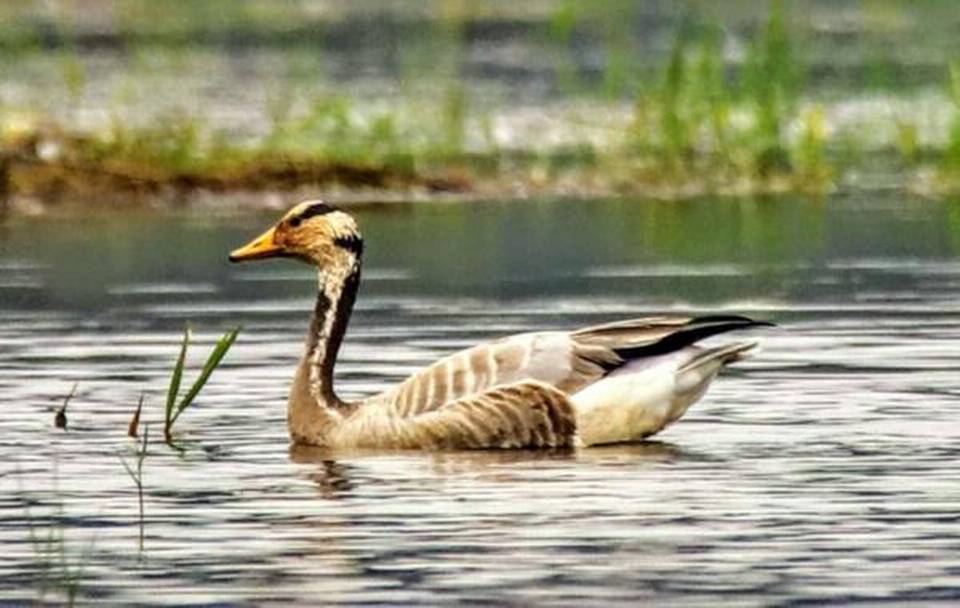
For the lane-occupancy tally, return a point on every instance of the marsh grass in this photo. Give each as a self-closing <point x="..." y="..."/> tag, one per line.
<point x="771" y="80"/>
<point x="706" y="122"/>
<point x="908" y="141"/>
<point x="455" y="110"/>
<point x="718" y="114"/>
<point x="808" y="152"/>
<point x="135" y="472"/>
<point x="946" y="175"/>
<point x="176" y="405"/>
<point x="178" y="145"/>
<point x="332" y="130"/>
<point x="59" y="569"/>
<point x="951" y="157"/>
<point x="560" y="32"/>
<point x="74" y="74"/>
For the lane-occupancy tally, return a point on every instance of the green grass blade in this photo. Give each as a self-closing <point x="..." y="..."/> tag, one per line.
<point x="213" y="361"/>
<point x="175" y="379"/>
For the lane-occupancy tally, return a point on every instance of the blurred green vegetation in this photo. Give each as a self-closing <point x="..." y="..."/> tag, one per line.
<point x="703" y="123"/>
<point x="728" y="100"/>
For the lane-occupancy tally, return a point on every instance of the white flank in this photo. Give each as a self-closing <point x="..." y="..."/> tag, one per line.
<point x="643" y="397"/>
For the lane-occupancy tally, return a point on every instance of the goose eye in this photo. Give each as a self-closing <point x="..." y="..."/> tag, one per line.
<point x="295" y="222"/>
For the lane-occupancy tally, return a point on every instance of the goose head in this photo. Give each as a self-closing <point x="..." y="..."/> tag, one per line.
<point x="313" y="232"/>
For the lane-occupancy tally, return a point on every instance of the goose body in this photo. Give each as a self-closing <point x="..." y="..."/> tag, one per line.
<point x="611" y="383"/>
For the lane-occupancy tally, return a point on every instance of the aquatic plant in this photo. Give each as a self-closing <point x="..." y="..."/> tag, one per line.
<point x="951" y="159"/>
<point x="808" y="152"/>
<point x="177" y="145"/>
<point x="58" y="569"/>
<point x="617" y="35"/>
<point x="332" y="130"/>
<point x="60" y="419"/>
<point x="908" y="141"/>
<point x="456" y="108"/>
<point x="133" y="429"/>
<point x="684" y="123"/>
<point x="135" y="472"/>
<point x="705" y="123"/>
<point x="719" y="113"/>
<point x="946" y="176"/>
<point x="770" y="84"/>
<point x="174" y="406"/>
<point x="561" y="28"/>
<point x="74" y="74"/>
<point x="939" y="163"/>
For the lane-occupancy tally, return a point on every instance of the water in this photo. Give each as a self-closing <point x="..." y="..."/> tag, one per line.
<point x="824" y="470"/>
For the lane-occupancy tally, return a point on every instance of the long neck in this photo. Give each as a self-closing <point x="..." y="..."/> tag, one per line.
<point x="337" y="293"/>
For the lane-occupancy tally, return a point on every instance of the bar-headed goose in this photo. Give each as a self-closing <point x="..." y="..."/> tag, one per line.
<point x="618" y="382"/>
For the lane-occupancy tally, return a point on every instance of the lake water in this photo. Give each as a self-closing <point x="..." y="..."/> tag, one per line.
<point x="823" y="470"/>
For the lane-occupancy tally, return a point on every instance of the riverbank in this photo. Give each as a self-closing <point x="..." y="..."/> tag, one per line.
<point x="178" y="165"/>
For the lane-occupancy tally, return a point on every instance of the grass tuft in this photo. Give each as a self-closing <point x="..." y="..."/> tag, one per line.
<point x="176" y="406"/>
<point x="59" y="570"/>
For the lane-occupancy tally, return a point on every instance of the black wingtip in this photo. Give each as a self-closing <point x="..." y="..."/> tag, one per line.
<point x="729" y="319"/>
<point x="699" y="328"/>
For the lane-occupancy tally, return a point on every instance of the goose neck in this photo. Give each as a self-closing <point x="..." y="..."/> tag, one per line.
<point x="336" y="295"/>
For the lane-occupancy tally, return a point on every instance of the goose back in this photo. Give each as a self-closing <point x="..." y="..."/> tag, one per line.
<point x="553" y="358"/>
<point x="567" y="361"/>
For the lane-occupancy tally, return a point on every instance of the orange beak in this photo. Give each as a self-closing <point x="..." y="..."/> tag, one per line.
<point x="264" y="246"/>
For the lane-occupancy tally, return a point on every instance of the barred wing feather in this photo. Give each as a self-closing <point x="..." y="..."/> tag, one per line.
<point x="553" y="358"/>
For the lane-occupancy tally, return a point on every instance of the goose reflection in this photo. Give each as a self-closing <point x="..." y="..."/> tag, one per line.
<point x="335" y="480"/>
<point x="337" y="473"/>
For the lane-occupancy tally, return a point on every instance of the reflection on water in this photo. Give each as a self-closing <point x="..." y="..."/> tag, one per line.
<point x="821" y="470"/>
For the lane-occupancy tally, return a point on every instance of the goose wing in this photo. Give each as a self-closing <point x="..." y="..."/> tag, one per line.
<point x="552" y="358"/>
<point x="567" y="361"/>
<point x="526" y="414"/>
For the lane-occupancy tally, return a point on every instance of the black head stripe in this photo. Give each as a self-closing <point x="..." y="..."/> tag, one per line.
<point x="351" y="243"/>
<point x="316" y="209"/>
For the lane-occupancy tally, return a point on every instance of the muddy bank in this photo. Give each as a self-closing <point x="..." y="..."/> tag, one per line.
<point x="29" y="184"/>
